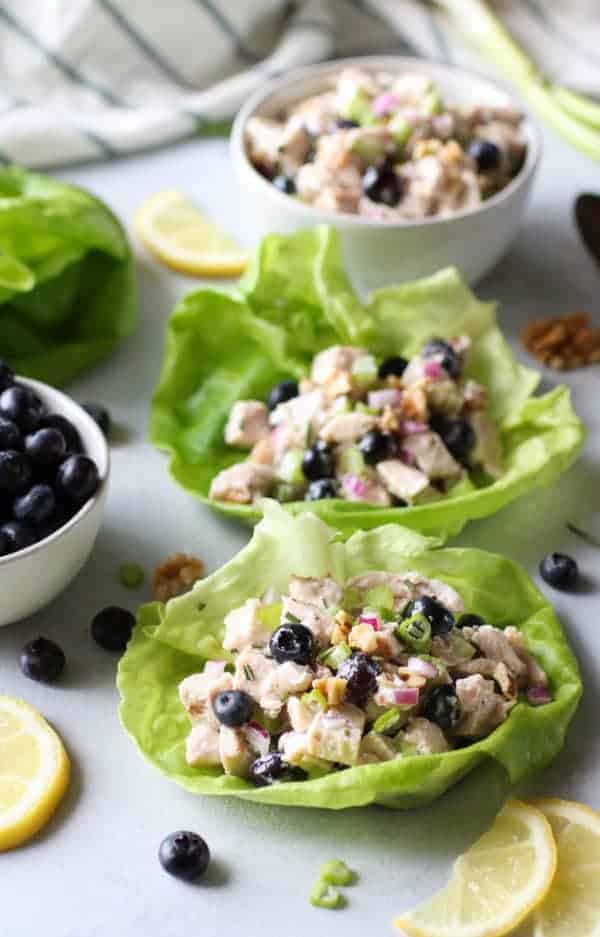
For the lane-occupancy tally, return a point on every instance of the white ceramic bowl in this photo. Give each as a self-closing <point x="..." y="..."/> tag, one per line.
<point x="378" y="253"/>
<point x="32" y="578"/>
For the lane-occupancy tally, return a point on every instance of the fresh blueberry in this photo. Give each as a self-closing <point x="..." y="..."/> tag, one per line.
<point x="469" y="620"/>
<point x="233" y="707"/>
<point x="282" y="392"/>
<point x="445" y="353"/>
<point x="15" y="471"/>
<point x="442" y="707"/>
<point x="71" y="435"/>
<point x="112" y="628"/>
<point x="7" y="375"/>
<point x="394" y="366"/>
<point x="458" y="437"/>
<point x="360" y="673"/>
<point x="77" y="478"/>
<point x="46" y="447"/>
<point x="560" y="571"/>
<point x="381" y="184"/>
<point x="284" y="183"/>
<point x="57" y="519"/>
<point x="485" y="153"/>
<point x="344" y="123"/>
<point x="293" y="642"/>
<point x="36" y="506"/>
<point x="322" y="488"/>
<point x="184" y="855"/>
<point x="377" y="446"/>
<point x="22" y="406"/>
<point x="42" y="660"/>
<point x="318" y="462"/>
<point x="271" y="768"/>
<point x="5" y="543"/>
<point x="10" y="435"/>
<point x="19" y="536"/>
<point x="439" y="617"/>
<point x="100" y="415"/>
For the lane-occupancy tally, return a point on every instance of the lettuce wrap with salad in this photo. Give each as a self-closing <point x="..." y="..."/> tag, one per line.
<point x="67" y="288"/>
<point x="230" y="665"/>
<point x="230" y="349"/>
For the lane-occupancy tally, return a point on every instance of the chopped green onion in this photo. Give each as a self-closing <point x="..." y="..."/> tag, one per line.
<point x="589" y="538"/>
<point x="388" y="721"/>
<point x="360" y="109"/>
<point x="292" y="619"/>
<point x="336" y="872"/>
<point x="248" y="672"/>
<point x="415" y="632"/>
<point x="400" y="129"/>
<point x="326" y="896"/>
<point x="131" y="575"/>
<point x="335" y="656"/>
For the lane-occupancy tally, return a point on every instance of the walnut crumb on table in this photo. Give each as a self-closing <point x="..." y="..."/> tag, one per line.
<point x="176" y="575"/>
<point x="563" y="343"/>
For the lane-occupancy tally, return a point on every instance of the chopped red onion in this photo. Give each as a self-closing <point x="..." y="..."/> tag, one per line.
<point x="407" y="696"/>
<point x="423" y="667"/>
<point x="373" y="620"/>
<point x="384" y="103"/>
<point x="433" y="369"/>
<point x="258" y="728"/>
<point x="257" y="737"/>
<point x="391" y="397"/>
<point x="407" y="457"/>
<point x="355" y="486"/>
<point x="539" y="695"/>
<point x="412" y="427"/>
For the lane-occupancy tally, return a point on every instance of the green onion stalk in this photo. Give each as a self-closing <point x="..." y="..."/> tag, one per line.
<point x="573" y="115"/>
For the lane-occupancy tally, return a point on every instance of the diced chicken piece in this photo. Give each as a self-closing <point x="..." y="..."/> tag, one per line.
<point x="300" y="715"/>
<point x="483" y="710"/>
<point x="365" y="489"/>
<point x="536" y="676"/>
<point x="487" y="451"/>
<point x="299" y="415"/>
<point x="410" y="88"/>
<point x="244" y="626"/>
<point x="432" y="185"/>
<point x="388" y="645"/>
<point x="431" y="456"/>
<point x="327" y="364"/>
<point x="295" y="144"/>
<point x="402" y="480"/>
<point x="413" y="373"/>
<point x="242" y="483"/>
<point x="202" y="745"/>
<point x="262" y="453"/>
<point x="441" y="591"/>
<point x="253" y="672"/>
<point x="478" y="665"/>
<point x="444" y="396"/>
<point x="505" y="680"/>
<point x="425" y="737"/>
<point x="294" y="747"/>
<point x="248" y="423"/>
<point x="286" y="679"/>
<point x="198" y="690"/>
<point x="267" y="682"/>
<point x="318" y="113"/>
<point x="407" y="586"/>
<point x="263" y="137"/>
<point x="335" y="734"/>
<point x="337" y="198"/>
<point x="414" y="403"/>
<point x="348" y="427"/>
<point x="257" y="738"/>
<point x="235" y="752"/>
<point x="350" y="82"/>
<point x="323" y="591"/>
<point x="493" y="643"/>
<point x="375" y="748"/>
<point x="317" y="619"/>
<point x="452" y="649"/>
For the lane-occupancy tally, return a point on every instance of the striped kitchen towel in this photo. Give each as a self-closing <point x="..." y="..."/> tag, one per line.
<point x="92" y="79"/>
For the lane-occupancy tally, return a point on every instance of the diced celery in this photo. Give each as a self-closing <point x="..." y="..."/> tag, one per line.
<point x="431" y="103"/>
<point x="380" y="597"/>
<point x="388" y="721"/>
<point x="415" y="633"/>
<point x="326" y="896"/>
<point x="341" y="404"/>
<point x="360" y="109"/>
<point x="364" y="371"/>
<point x="400" y="130"/>
<point x="290" y="467"/>
<point x="335" y="656"/>
<point x="460" y="647"/>
<point x="315" y="697"/>
<point x="285" y="492"/>
<point x="270" y="615"/>
<point x="352" y="599"/>
<point x="369" y="148"/>
<point x="364" y="408"/>
<point x="352" y="461"/>
<point x="336" y="872"/>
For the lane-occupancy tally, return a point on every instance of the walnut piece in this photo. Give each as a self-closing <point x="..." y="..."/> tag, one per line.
<point x="176" y="575"/>
<point x="563" y="343"/>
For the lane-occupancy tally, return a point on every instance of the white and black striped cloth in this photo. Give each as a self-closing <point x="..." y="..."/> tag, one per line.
<point x="94" y="79"/>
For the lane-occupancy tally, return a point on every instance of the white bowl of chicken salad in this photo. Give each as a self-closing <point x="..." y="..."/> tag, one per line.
<point x="418" y="165"/>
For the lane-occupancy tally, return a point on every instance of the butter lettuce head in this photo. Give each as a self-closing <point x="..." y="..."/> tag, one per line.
<point x="67" y="295"/>
<point x="222" y="346"/>
<point x="170" y="642"/>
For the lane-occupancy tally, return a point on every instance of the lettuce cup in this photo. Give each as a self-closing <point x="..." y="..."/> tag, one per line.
<point x="315" y="672"/>
<point x="410" y="408"/>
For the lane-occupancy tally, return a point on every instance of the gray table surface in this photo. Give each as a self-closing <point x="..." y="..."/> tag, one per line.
<point x="94" y="871"/>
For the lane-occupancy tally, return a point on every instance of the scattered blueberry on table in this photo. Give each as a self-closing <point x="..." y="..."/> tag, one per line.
<point x="112" y="628"/>
<point x="560" y="571"/>
<point x="184" y="855"/>
<point x="42" y="660"/>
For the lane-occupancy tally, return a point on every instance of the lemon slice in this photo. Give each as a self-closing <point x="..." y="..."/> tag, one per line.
<point x="496" y="884"/>
<point x="572" y="907"/>
<point x="183" y="239"/>
<point x="34" y="772"/>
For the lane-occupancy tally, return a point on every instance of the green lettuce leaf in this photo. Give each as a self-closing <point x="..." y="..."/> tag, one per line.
<point x="67" y="291"/>
<point x="172" y="641"/>
<point x="294" y="300"/>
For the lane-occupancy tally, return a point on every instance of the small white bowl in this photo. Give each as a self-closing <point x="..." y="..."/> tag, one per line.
<point x="379" y="253"/>
<point x="32" y="578"/>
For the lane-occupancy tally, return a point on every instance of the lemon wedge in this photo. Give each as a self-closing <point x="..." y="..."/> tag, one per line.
<point x="34" y="772"/>
<point x="572" y="907"/>
<point x="496" y="884"/>
<point x="184" y="239"/>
